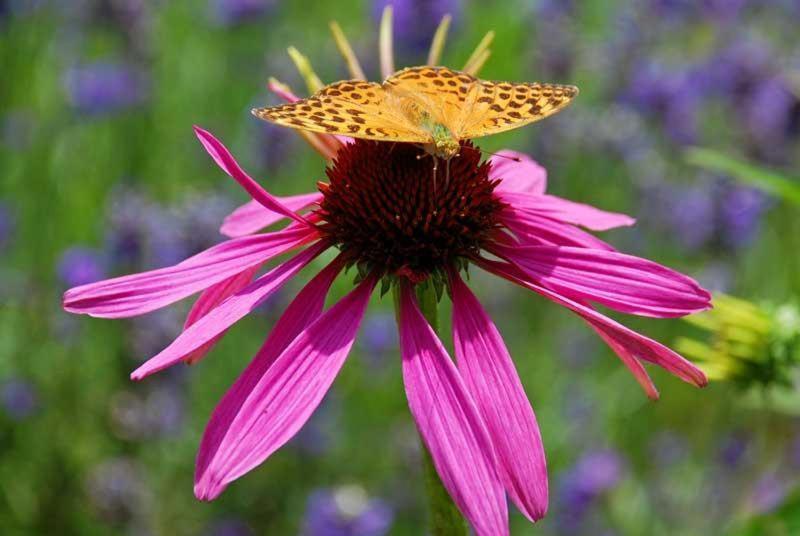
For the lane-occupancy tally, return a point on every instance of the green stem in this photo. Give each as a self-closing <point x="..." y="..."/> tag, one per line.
<point x="445" y="519"/>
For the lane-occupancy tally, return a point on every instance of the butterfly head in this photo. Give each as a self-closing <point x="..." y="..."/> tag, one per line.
<point x="445" y="145"/>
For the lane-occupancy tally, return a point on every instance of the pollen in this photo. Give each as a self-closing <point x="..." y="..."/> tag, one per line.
<point x="383" y="208"/>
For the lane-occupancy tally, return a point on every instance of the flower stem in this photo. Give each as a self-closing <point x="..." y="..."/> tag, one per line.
<point x="445" y="519"/>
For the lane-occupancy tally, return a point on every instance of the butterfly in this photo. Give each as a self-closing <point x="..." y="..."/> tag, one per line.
<point x="433" y="106"/>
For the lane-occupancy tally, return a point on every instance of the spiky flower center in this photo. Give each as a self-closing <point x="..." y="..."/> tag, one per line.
<point x="384" y="209"/>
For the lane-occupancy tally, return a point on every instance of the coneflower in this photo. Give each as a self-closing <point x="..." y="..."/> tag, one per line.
<point x="386" y="217"/>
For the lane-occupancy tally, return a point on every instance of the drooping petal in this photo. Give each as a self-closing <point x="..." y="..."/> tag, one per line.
<point x="519" y="173"/>
<point x="622" y="282"/>
<point x="267" y="410"/>
<point x="450" y="423"/>
<point x="630" y="361"/>
<point x="227" y="313"/>
<point x="634" y="343"/>
<point x="137" y="294"/>
<point x="224" y="159"/>
<point x="253" y="216"/>
<point x="304" y="309"/>
<point x="492" y="380"/>
<point x="533" y="229"/>
<point x="210" y="298"/>
<point x="566" y="211"/>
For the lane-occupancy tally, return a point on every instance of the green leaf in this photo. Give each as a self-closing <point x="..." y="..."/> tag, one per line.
<point x="764" y="179"/>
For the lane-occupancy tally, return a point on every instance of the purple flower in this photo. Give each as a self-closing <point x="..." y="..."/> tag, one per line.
<point x="346" y="511"/>
<point x="734" y="449"/>
<point x="740" y="214"/>
<point x="768" y="494"/>
<point x="80" y="265"/>
<point x="19" y="398"/>
<point x="595" y="472"/>
<point x="116" y="490"/>
<point x="769" y="109"/>
<point x="415" y="21"/>
<point x="668" y="448"/>
<point x="668" y="94"/>
<point x="104" y="87"/>
<point x="6" y="225"/>
<point x="235" y="12"/>
<point x="379" y="335"/>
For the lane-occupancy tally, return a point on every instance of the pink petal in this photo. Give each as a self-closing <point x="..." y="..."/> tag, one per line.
<point x="252" y="216"/>
<point x="634" y="343"/>
<point x="525" y="175"/>
<point x="225" y="160"/>
<point x="492" y="380"/>
<point x="622" y="282"/>
<point x="267" y="411"/>
<point x="533" y="229"/>
<point x="137" y="294"/>
<point x="210" y="298"/>
<point x="304" y="309"/>
<point x="450" y="424"/>
<point x="566" y="211"/>
<point x="630" y="361"/>
<point x="227" y="313"/>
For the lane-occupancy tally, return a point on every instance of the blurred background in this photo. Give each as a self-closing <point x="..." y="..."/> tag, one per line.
<point x="100" y="175"/>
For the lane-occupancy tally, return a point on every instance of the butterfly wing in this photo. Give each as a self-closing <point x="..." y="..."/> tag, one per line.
<point x="495" y="107"/>
<point x="439" y="91"/>
<point x="351" y="108"/>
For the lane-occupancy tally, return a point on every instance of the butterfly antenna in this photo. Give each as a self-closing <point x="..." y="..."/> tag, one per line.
<point x="435" y="167"/>
<point x="513" y="158"/>
<point x="447" y="173"/>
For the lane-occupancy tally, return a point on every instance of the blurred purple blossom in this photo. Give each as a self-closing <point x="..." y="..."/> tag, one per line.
<point x="733" y="449"/>
<point x="80" y="265"/>
<point x="272" y="144"/>
<point x="19" y="398"/>
<point x="322" y="430"/>
<point x="768" y="493"/>
<point x="379" y="335"/>
<point x="105" y="87"/>
<point x="668" y="448"/>
<point x="415" y="21"/>
<point x="7" y="225"/>
<point x="235" y="12"/>
<point x="159" y="413"/>
<point x="346" y="511"/>
<point x="667" y="93"/>
<point x="117" y="491"/>
<point x="594" y="474"/>
<point x="741" y="209"/>
<point x="768" y="110"/>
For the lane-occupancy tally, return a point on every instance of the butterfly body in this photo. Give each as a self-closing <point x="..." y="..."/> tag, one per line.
<point x="435" y="107"/>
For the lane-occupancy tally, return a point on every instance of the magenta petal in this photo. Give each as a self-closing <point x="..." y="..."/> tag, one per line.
<point x="450" y="423"/>
<point x="634" y="343"/>
<point x="227" y="313"/>
<point x="525" y="175"/>
<point x="492" y="380"/>
<point x="629" y="360"/>
<point x="265" y="412"/>
<point x="622" y="282"/>
<point x="253" y="216"/>
<point x="137" y="294"/>
<point x="566" y="211"/>
<point x="534" y="229"/>
<point x="210" y="298"/>
<point x="225" y="160"/>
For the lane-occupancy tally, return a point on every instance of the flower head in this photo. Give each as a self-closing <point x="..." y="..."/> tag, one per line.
<point x="750" y="344"/>
<point x="384" y="213"/>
